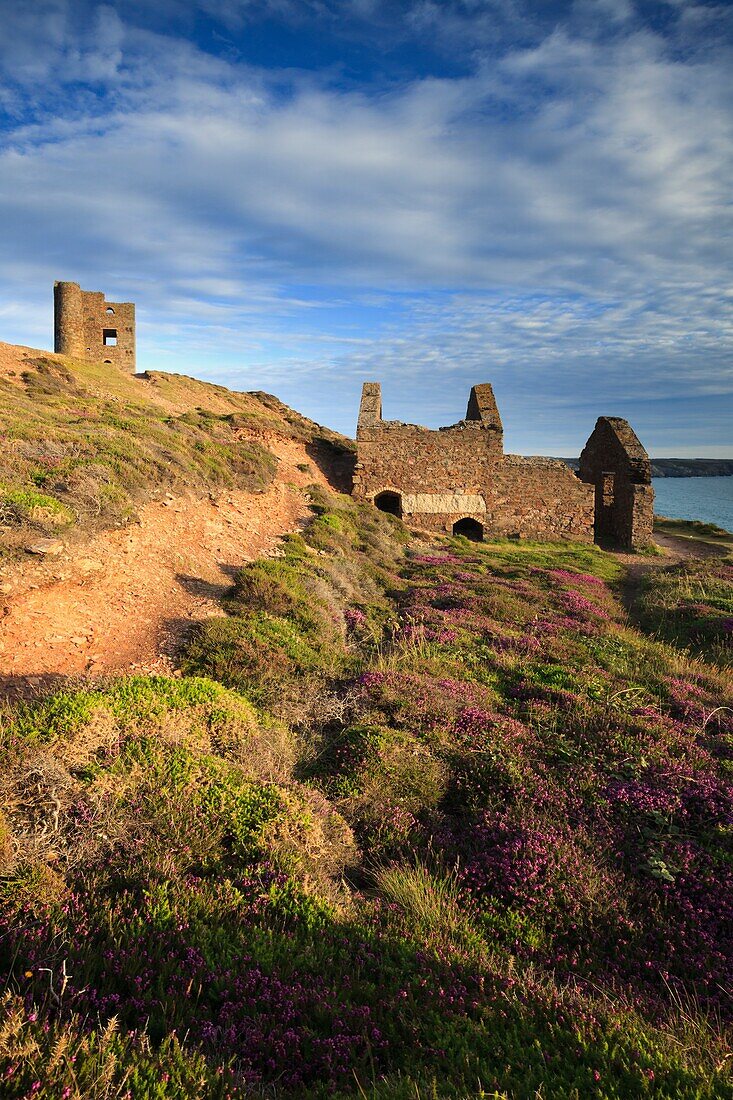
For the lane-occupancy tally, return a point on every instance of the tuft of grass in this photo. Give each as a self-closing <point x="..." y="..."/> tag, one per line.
<point x="429" y="901"/>
<point x="38" y="509"/>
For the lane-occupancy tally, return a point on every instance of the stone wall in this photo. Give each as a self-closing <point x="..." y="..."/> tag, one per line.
<point x="616" y="464"/>
<point x="452" y="460"/>
<point x="88" y="327"/>
<point x="523" y="498"/>
<point x="412" y="459"/>
<point x="461" y="472"/>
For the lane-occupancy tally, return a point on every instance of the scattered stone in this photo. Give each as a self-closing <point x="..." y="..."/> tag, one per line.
<point x="6" y="588"/>
<point x="45" y="547"/>
<point x="90" y="565"/>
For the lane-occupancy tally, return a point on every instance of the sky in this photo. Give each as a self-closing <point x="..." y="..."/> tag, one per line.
<point x="302" y="195"/>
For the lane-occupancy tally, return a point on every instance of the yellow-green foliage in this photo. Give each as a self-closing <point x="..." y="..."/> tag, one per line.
<point x="40" y="509"/>
<point x="87" y="441"/>
<point x="187" y="764"/>
<point x="287" y="633"/>
<point x="429" y="901"/>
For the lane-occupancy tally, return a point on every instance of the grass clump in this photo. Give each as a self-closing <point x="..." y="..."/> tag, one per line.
<point x="37" y="509"/>
<point x="690" y="605"/>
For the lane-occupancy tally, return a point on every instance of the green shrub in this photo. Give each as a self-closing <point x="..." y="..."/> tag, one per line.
<point x="36" y="508"/>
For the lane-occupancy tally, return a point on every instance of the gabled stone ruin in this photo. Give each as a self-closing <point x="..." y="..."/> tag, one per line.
<point x="615" y="463"/>
<point x="458" y="479"/>
<point x="88" y="327"/>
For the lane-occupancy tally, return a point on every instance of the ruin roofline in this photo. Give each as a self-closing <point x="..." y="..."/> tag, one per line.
<point x="90" y="293"/>
<point x="458" y="480"/>
<point x="482" y="411"/>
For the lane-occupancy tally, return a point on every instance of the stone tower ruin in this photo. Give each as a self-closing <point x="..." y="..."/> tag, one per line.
<point x="458" y="479"/>
<point x="90" y="328"/>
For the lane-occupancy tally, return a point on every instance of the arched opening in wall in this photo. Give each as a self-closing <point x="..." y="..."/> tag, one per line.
<point x="470" y="529"/>
<point x="389" y="502"/>
<point x="108" y="361"/>
<point x="109" y="311"/>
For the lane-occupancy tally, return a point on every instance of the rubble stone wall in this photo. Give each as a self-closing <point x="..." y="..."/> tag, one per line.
<point x="451" y="460"/>
<point x="524" y="499"/>
<point x="461" y="472"/>
<point x="616" y="464"/>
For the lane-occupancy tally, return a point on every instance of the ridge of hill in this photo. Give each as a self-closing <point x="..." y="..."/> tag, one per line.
<point x="408" y="818"/>
<point x="85" y="445"/>
<point x="681" y="467"/>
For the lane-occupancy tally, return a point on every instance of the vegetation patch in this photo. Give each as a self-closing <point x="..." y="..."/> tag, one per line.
<point x="90" y="444"/>
<point x="690" y="605"/>
<point x="420" y="819"/>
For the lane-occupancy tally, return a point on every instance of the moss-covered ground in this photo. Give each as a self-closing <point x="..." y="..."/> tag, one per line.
<point x="418" y="820"/>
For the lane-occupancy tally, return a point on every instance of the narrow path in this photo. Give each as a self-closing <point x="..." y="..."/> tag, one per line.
<point x="676" y="550"/>
<point x="124" y="600"/>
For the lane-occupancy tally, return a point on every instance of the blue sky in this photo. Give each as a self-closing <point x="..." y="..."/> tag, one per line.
<point x="301" y="195"/>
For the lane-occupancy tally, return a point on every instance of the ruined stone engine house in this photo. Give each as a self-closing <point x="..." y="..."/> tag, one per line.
<point x="458" y="479"/>
<point x="88" y="327"/>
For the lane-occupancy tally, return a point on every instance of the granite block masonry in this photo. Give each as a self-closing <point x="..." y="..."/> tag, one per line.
<point x="458" y="479"/>
<point x="88" y="327"/>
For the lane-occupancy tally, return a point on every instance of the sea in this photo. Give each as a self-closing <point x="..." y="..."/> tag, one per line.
<point x="709" y="499"/>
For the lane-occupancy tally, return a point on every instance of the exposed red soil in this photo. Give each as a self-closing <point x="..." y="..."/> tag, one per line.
<point x="124" y="599"/>
<point x="15" y="358"/>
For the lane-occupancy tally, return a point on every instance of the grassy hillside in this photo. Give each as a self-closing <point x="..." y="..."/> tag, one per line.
<point x="695" y="530"/>
<point x="85" y="445"/>
<point x="418" y="820"/>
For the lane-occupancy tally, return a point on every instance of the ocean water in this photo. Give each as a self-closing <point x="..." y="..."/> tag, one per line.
<point x="709" y="499"/>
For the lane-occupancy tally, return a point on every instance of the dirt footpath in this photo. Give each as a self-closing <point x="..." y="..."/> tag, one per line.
<point x="125" y="599"/>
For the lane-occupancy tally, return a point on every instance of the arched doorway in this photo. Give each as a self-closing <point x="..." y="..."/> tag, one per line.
<point x="470" y="529"/>
<point x="389" y="502"/>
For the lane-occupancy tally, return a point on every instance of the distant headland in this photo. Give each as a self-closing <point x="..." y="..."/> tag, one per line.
<point x="682" y="467"/>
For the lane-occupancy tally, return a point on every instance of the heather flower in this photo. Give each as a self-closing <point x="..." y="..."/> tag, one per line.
<point x="581" y="606"/>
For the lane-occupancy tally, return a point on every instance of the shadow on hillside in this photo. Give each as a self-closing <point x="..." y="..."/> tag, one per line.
<point x="16" y="689"/>
<point x="208" y="590"/>
<point x="335" y="463"/>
